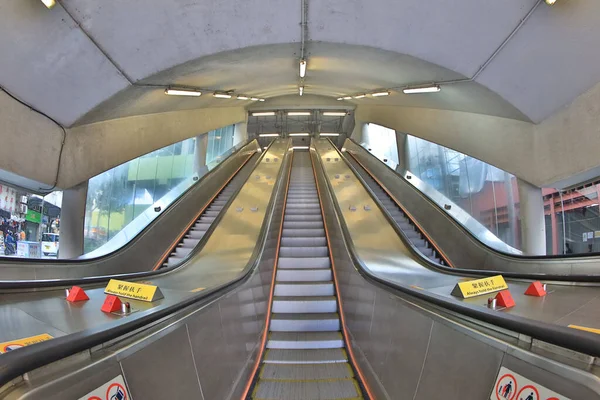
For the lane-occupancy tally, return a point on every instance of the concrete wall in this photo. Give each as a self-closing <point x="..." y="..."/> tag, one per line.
<point x="92" y="149"/>
<point x="29" y="142"/>
<point x="567" y="143"/>
<point x="502" y="142"/>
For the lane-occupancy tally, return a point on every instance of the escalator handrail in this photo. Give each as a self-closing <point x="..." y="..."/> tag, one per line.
<point x="452" y="220"/>
<point x="56" y="283"/>
<point x="18" y="362"/>
<point x="568" y="338"/>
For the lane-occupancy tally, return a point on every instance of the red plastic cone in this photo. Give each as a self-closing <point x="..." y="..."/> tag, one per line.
<point x="536" y="289"/>
<point x="77" y="294"/>
<point x="111" y="304"/>
<point x="505" y="299"/>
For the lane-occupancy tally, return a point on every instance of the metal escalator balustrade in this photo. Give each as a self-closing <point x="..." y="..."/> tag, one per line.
<point x="197" y="231"/>
<point x="412" y="232"/>
<point x="305" y="355"/>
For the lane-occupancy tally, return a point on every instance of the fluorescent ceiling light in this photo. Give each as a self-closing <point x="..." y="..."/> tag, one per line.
<point x="360" y="96"/>
<point x="263" y="114"/>
<point x="330" y="134"/>
<point x="299" y="134"/>
<point x="427" y="89"/>
<point x="254" y="99"/>
<point x="49" y="3"/>
<point x="269" y="134"/>
<point x="340" y="98"/>
<point x="301" y="90"/>
<point x="379" y="94"/>
<point x="549" y="2"/>
<point x="300" y="148"/>
<point x="298" y="113"/>
<point x="181" y="92"/>
<point x="347" y="97"/>
<point x="334" y="114"/>
<point x="261" y="99"/>
<point x="302" y="68"/>
<point x="222" y="95"/>
<point x="243" y="98"/>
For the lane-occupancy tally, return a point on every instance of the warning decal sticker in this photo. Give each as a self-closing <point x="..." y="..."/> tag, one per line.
<point x="511" y="386"/>
<point x="112" y="390"/>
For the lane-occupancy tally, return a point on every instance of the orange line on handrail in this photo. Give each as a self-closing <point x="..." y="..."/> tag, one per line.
<point x="337" y="290"/>
<point x="410" y="216"/>
<point x="263" y="341"/>
<point x="166" y="254"/>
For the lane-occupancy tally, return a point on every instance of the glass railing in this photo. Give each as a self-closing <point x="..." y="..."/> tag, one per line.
<point x="134" y="191"/>
<point x="479" y="196"/>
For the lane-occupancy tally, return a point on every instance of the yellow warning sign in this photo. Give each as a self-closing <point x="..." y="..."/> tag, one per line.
<point x="585" y="328"/>
<point x="479" y="287"/>
<point x="133" y="290"/>
<point x="17" y="344"/>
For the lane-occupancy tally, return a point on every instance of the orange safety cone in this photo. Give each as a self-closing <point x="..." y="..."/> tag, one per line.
<point x="111" y="304"/>
<point x="536" y="289"/>
<point x="77" y="294"/>
<point x="505" y="299"/>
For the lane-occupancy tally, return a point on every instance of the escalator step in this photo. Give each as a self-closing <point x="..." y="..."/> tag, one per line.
<point x="303" y="372"/>
<point x="306" y="356"/>
<point x="198" y="231"/>
<point x="303" y="217"/>
<point x="303" y="224"/>
<point x="303" y="232"/>
<point x="317" y="322"/>
<point x="305" y="340"/>
<point x="303" y="241"/>
<point x="303" y="252"/>
<point x="189" y="242"/>
<point x="304" y="304"/>
<point x="297" y="390"/>
<point x="304" y="289"/>
<point x="304" y="275"/>
<point x="316" y="262"/>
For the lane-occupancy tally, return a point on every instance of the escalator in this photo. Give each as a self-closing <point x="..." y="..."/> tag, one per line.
<point x="161" y="237"/>
<point x="451" y="235"/>
<point x="202" y="224"/>
<point x="413" y="232"/>
<point x="286" y="328"/>
<point x="305" y="354"/>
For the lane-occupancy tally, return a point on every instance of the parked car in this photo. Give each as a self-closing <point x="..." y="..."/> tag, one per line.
<point x="50" y="243"/>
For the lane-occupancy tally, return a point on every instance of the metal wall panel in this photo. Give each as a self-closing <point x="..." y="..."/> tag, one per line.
<point x="164" y="369"/>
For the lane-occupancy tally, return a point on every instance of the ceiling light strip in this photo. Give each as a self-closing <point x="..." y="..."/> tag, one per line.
<point x="424" y="89"/>
<point x="183" y="92"/>
<point x="263" y="114"/>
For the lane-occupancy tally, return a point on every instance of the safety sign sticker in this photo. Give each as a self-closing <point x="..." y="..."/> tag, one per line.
<point x="18" y="343"/>
<point x="511" y="386"/>
<point x="112" y="390"/>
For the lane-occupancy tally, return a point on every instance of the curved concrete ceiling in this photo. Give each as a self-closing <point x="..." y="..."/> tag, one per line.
<point x="270" y="71"/>
<point x="84" y="60"/>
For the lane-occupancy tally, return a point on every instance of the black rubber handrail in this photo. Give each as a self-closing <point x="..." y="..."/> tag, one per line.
<point x="465" y="230"/>
<point x="26" y="359"/>
<point x="65" y="283"/>
<point x="572" y="339"/>
<point x="14" y="260"/>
